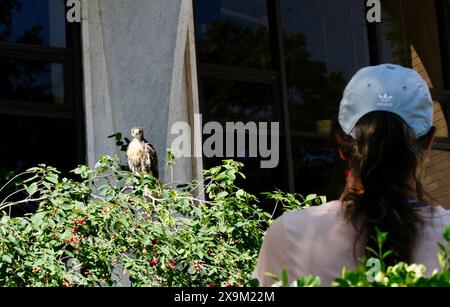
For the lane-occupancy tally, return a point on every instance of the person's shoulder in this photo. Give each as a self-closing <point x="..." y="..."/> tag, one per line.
<point x="443" y="213"/>
<point x="435" y="212"/>
<point x="312" y="215"/>
<point x="329" y="208"/>
<point x="435" y="219"/>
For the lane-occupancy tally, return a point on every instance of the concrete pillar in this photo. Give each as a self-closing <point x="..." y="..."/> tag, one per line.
<point x="139" y="70"/>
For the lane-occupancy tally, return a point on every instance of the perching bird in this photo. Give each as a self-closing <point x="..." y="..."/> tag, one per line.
<point x="142" y="157"/>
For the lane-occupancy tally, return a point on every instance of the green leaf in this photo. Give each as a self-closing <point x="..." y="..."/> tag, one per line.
<point x="7" y="258"/>
<point x="311" y="197"/>
<point x="447" y="234"/>
<point x="240" y="193"/>
<point x="222" y="194"/>
<point x="386" y="254"/>
<point x="52" y="178"/>
<point x="284" y="278"/>
<point x="37" y="218"/>
<point x="442" y="260"/>
<point x="32" y="189"/>
<point x="441" y="247"/>
<point x="309" y="281"/>
<point x="230" y="229"/>
<point x="254" y="283"/>
<point x="271" y="276"/>
<point x="66" y="235"/>
<point x="381" y="237"/>
<point x="372" y="251"/>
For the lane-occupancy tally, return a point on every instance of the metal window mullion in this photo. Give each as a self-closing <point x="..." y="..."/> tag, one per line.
<point x="278" y="60"/>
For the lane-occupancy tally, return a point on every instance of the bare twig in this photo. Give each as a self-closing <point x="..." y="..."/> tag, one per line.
<point x="7" y="205"/>
<point x="14" y="178"/>
<point x="11" y="195"/>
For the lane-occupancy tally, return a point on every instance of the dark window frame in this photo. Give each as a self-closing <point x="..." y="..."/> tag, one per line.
<point x="443" y="95"/>
<point x="71" y="59"/>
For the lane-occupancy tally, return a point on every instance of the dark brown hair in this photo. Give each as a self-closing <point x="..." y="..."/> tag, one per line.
<point x="384" y="158"/>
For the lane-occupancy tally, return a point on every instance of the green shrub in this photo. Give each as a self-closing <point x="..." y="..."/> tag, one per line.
<point x="113" y="224"/>
<point x="111" y="227"/>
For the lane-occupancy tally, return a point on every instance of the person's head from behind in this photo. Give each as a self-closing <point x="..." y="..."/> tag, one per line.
<point x="386" y="131"/>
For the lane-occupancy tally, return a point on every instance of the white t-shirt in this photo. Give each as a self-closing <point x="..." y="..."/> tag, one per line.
<point x="319" y="241"/>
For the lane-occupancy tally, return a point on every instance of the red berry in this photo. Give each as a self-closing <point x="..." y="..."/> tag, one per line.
<point x="74" y="240"/>
<point x="154" y="241"/>
<point x="212" y="285"/>
<point x="154" y="262"/>
<point x="74" y="230"/>
<point x="80" y="221"/>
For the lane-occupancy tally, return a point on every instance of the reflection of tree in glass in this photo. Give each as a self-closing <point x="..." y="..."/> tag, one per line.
<point x="6" y="9"/>
<point x="229" y="43"/>
<point x="236" y="101"/>
<point x="25" y="80"/>
<point x="32" y="36"/>
<point x="22" y="80"/>
<point x="314" y="92"/>
<point x="394" y="35"/>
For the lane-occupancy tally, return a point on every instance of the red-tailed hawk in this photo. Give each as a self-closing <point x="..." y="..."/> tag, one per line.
<point x="142" y="157"/>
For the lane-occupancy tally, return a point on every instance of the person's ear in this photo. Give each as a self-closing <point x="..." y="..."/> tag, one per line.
<point x="342" y="155"/>
<point x="430" y="142"/>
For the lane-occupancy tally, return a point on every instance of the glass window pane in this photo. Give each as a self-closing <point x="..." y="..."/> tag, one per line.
<point x="33" y="140"/>
<point x="257" y="179"/>
<point x="326" y="42"/>
<point x="317" y="168"/>
<point x="231" y="32"/>
<point x="395" y="48"/>
<point x="31" y="81"/>
<point x="237" y="101"/>
<point x="41" y="22"/>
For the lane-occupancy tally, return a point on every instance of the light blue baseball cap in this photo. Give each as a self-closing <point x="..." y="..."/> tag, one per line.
<point x="390" y="88"/>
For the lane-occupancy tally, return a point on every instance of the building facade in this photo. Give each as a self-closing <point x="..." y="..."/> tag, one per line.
<point x="65" y="87"/>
